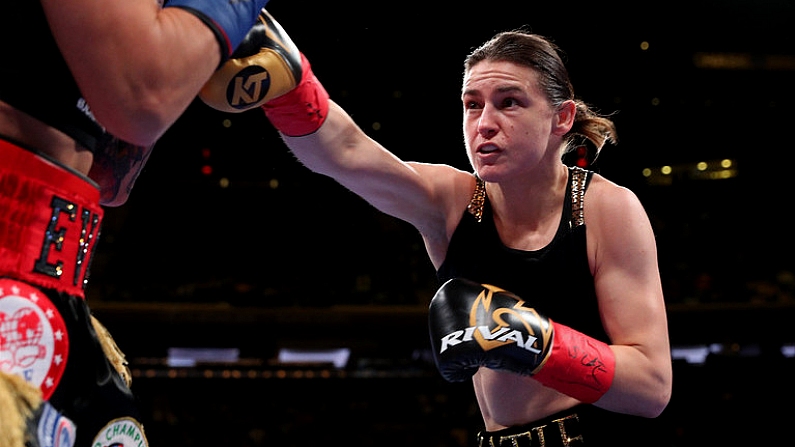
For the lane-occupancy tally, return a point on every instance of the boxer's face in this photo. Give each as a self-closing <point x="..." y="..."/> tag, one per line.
<point x="509" y="125"/>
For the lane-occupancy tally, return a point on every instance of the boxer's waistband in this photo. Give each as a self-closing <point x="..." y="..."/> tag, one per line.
<point x="49" y="221"/>
<point x="552" y="432"/>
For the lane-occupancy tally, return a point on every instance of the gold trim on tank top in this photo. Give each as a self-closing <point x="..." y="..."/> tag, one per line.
<point x="579" y="176"/>
<point x="475" y="206"/>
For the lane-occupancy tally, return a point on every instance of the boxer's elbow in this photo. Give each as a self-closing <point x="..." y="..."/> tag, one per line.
<point x="660" y="396"/>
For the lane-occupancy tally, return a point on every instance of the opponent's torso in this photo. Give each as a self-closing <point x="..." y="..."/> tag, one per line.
<point x="35" y="78"/>
<point x="554" y="279"/>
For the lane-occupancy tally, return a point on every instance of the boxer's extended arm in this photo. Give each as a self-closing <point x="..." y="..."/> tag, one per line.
<point x="268" y="71"/>
<point x="474" y="325"/>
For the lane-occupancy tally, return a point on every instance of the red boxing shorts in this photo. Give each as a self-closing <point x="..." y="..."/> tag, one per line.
<point x="49" y="225"/>
<point x="49" y="222"/>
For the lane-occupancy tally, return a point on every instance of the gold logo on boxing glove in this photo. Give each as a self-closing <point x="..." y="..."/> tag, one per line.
<point x="498" y="318"/>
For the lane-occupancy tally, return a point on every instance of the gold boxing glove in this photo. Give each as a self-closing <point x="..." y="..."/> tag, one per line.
<point x="266" y="65"/>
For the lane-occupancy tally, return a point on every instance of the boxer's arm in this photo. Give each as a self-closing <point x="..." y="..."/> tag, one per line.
<point x="631" y="301"/>
<point x="428" y="196"/>
<point x="138" y="65"/>
<point x="269" y="71"/>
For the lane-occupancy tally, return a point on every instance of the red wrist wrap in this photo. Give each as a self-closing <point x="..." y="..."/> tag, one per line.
<point x="579" y="366"/>
<point x="303" y="109"/>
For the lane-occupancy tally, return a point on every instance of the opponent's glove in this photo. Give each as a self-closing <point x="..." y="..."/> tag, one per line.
<point x="28" y="421"/>
<point x="267" y="70"/>
<point x="479" y="325"/>
<point x="230" y="20"/>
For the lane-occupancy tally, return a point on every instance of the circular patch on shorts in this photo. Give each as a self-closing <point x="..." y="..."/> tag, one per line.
<point x="34" y="343"/>
<point x="121" y="432"/>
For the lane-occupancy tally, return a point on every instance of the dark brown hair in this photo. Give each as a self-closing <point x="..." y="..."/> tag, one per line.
<point x="540" y="54"/>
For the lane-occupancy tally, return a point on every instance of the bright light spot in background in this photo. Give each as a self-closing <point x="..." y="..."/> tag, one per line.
<point x="337" y="357"/>
<point x="693" y="355"/>
<point x="697" y="355"/>
<point x="188" y="357"/>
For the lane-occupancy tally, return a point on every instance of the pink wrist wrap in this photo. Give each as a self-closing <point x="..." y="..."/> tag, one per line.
<point x="579" y="366"/>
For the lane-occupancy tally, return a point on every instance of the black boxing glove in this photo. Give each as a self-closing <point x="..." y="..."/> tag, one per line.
<point x="479" y="325"/>
<point x="267" y="70"/>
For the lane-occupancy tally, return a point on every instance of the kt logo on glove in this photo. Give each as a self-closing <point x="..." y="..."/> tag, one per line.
<point x="266" y="65"/>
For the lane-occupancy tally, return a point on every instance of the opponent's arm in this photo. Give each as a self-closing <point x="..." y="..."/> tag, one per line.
<point x="478" y="325"/>
<point x="140" y="65"/>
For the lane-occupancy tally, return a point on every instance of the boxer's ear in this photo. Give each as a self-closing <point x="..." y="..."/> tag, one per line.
<point x="564" y="117"/>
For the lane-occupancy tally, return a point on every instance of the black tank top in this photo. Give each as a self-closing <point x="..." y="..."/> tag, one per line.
<point x="556" y="280"/>
<point x="34" y="77"/>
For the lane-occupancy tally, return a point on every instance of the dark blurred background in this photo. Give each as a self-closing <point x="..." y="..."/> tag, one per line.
<point x="229" y="243"/>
